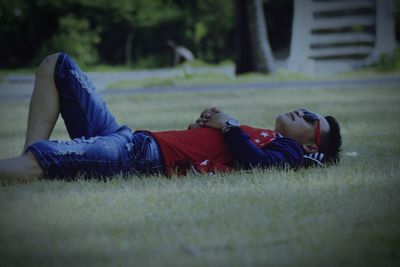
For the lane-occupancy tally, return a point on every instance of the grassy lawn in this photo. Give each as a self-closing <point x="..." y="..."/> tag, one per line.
<point x="346" y="215"/>
<point x="207" y="77"/>
<point x="210" y="77"/>
<point x="204" y="74"/>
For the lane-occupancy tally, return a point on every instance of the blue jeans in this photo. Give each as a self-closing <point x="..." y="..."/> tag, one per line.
<point x="99" y="146"/>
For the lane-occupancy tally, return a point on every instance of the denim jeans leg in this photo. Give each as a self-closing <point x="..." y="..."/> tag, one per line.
<point x="84" y="111"/>
<point x="121" y="152"/>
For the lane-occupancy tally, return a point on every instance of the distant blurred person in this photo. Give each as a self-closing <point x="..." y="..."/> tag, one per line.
<point x="100" y="148"/>
<point x="182" y="55"/>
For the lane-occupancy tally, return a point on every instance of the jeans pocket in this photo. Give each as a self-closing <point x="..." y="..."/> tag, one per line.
<point x="148" y="158"/>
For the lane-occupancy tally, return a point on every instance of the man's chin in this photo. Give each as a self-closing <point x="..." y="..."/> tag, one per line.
<point x="279" y="124"/>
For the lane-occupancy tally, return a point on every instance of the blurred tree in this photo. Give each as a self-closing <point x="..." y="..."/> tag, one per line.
<point x="136" y="29"/>
<point x="397" y="19"/>
<point x="212" y="24"/>
<point x="279" y="20"/>
<point x="75" y="38"/>
<point x="22" y="26"/>
<point x="253" y="52"/>
<point x="128" y="31"/>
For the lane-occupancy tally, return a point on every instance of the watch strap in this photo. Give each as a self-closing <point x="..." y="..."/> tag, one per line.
<point x="229" y="124"/>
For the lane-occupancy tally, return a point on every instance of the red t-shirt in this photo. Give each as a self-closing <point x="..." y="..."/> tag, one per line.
<point x="203" y="149"/>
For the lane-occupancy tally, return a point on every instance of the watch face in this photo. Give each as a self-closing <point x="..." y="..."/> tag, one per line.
<point x="234" y="123"/>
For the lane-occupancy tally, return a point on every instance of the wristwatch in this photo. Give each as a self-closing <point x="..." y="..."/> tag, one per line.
<point x="229" y="124"/>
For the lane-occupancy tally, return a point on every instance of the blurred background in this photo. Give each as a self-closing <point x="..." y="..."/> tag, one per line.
<point x="134" y="33"/>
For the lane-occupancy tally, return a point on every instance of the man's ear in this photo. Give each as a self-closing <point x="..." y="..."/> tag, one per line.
<point x="310" y="148"/>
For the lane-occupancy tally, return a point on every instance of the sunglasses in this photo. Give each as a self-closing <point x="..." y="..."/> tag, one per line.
<point x="311" y="117"/>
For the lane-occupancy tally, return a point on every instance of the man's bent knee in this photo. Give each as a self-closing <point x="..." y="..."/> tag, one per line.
<point x="49" y="62"/>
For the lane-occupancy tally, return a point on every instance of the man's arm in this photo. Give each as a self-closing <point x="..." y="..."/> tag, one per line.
<point x="280" y="152"/>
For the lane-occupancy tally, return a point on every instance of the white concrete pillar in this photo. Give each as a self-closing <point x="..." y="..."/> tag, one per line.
<point x="301" y="35"/>
<point x="385" y="40"/>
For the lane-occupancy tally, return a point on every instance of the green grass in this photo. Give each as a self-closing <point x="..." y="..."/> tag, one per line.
<point x="363" y="73"/>
<point x="209" y="77"/>
<point x="195" y="79"/>
<point x="346" y="215"/>
<point x="5" y="72"/>
<point x="178" y="80"/>
<point x="215" y="77"/>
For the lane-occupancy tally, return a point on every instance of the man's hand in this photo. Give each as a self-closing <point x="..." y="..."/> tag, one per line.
<point x="204" y="117"/>
<point x="211" y="117"/>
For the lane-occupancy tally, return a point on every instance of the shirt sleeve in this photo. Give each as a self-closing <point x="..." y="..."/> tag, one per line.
<point x="280" y="152"/>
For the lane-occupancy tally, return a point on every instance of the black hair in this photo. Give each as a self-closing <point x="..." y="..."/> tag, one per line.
<point x="332" y="141"/>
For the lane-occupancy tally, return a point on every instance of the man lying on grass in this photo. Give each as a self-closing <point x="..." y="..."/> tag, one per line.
<point x="100" y="147"/>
